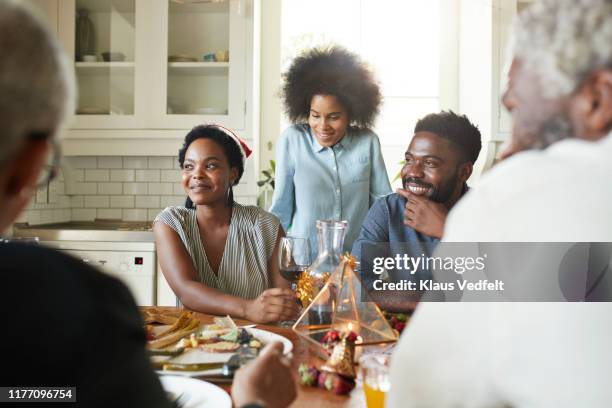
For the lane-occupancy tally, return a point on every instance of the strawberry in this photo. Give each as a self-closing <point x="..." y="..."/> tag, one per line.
<point x="352" y="337"/>
<point x="393" y="321"/>
<point x="338" y="384"/>
<point x="400" y="326"/>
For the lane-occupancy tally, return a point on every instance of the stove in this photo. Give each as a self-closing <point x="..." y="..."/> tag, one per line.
<point x="125" y="250"/>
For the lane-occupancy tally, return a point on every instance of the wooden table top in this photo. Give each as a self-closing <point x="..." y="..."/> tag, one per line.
<point x="308" y="397"/>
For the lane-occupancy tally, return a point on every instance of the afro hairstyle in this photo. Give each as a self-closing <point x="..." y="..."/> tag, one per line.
<point x="335" y="71"/>
<point x="456" y="128"/>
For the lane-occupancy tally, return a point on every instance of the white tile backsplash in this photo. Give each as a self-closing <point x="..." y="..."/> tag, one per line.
<point x="78" y="174"/>
<point x="151" y="214"/>
<point x="109" y="214"/>
<point x="83" y="162"/>
<point x="136" y="162"/>
<point x="97" y="201"/>
<point x="160" y="188"/>
<point x="82" y="214"/>
<point x="135" y="215"/>
<point x="110" y="188"/>
<point x="160" y="162"/>
<point x="170" y="201"/>
<point x="114" y="187"/>
<point x="77" y="201"/>
<point x="126" y="201"/>
<point x="147" y="202"/>
<point x="178" y="189"/>
<point x="110" y="162"/>
<point x="135" y="188"/>
<point x="122" y="175"/>
<point x="86" y="188"/>
<point x="173" y="176"/>
<point x="147" y="175"/>
<point x="96" y="175"/>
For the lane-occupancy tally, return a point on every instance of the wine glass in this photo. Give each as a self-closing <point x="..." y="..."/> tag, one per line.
<point x="294" y="258"/>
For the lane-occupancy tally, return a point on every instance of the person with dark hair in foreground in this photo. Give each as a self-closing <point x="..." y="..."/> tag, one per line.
<point x="65" y="324"/>
<point x="438" y="162"/>
<point x="218" y="256"/>
<point x="328" y="164"/>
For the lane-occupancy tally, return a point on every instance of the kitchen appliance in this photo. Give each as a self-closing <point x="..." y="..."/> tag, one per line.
<point x="125" y="250"/>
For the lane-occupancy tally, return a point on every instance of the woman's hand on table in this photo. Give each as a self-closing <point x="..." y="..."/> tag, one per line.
<point x="272" y="305"/>
<point x="266" y="381"/>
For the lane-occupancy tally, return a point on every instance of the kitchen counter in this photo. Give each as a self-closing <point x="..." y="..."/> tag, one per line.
<point x="99" y="231"/>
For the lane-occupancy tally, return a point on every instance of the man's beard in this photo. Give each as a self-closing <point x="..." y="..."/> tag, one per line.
<point x="440" y="194"/>
<point x="556" y="128"/>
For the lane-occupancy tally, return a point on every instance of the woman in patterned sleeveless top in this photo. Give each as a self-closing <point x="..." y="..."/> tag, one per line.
<point x="218" y="256"/>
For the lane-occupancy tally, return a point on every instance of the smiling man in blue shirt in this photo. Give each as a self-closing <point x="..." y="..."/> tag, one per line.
<point x="438" y="162"/>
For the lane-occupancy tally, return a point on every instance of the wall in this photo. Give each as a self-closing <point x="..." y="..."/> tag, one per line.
<point x="270" y="104"/>
<point x="118" y="188"/>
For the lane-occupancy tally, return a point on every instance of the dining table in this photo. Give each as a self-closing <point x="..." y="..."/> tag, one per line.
<point x="307" y="397"/>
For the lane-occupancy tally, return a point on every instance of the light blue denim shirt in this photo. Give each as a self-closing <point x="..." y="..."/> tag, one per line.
<point x="327" y="183"/>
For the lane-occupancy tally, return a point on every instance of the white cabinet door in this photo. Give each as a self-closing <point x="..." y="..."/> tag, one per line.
<point x="106" y="39"/>
<point x="199" y="63"/>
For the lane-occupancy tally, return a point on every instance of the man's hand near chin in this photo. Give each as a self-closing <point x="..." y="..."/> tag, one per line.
<point x="266" y="381"/>
<point x="424" y="215"/>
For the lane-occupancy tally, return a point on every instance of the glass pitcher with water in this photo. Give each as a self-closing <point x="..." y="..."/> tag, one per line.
<point x="330" y="237"/>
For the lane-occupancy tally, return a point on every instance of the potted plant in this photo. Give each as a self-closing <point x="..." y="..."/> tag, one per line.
<point x="264" y="200"/>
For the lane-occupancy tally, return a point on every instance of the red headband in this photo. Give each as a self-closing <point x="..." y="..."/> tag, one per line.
<point x="246" y="150"/>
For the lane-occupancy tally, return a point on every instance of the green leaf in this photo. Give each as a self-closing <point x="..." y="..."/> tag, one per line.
<point x="273" y="165"/>
<point x="267" y="174"/>
<point x="260" y="183"/>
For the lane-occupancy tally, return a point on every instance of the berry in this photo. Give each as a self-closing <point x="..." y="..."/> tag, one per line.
<point x="400" y="326"/>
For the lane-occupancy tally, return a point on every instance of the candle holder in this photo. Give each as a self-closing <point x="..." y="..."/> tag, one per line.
<point x="348" y="308"/>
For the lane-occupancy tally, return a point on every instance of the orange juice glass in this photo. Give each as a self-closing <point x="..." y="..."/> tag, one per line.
<point x="375" y="375"/>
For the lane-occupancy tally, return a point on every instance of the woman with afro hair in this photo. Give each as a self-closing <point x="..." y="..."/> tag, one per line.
<point x="328" y="163"/>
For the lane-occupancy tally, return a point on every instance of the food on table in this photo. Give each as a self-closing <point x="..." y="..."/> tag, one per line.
<point x="397" y="321"/>
<point x="309" y="375"/>
<point x="335" y="383"/>
<point x="338" y="372"/>
<point x="220" y="347"/>
<point x="184" y="326"/>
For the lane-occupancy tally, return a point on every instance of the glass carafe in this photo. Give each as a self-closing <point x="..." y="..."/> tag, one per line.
<point x="330" y="236"/>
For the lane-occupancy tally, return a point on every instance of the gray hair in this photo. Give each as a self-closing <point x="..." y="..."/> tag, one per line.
<point x="36" y="84"/>
<point x="563" y="41"/>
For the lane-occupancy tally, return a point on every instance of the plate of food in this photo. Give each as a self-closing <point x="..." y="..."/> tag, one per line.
<point x="193" y="393"/>
<point x="188" y="348"/>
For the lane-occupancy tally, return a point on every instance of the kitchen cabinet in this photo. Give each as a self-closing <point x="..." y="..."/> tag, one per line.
<point x="149" y="70"/>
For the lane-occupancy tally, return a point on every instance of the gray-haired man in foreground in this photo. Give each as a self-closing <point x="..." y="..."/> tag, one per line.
<point x="555" y="185"/>
<point x="64" y="323"/>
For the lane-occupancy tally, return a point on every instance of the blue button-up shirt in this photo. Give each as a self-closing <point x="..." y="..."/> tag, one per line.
<point x="313" y="182"/>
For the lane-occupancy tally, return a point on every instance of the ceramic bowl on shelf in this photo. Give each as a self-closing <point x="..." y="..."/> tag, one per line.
<point x="113" y="56"/>
<point x="90" y="58"/>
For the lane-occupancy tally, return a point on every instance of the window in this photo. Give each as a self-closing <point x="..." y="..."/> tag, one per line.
<point x="403" y="42"/>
